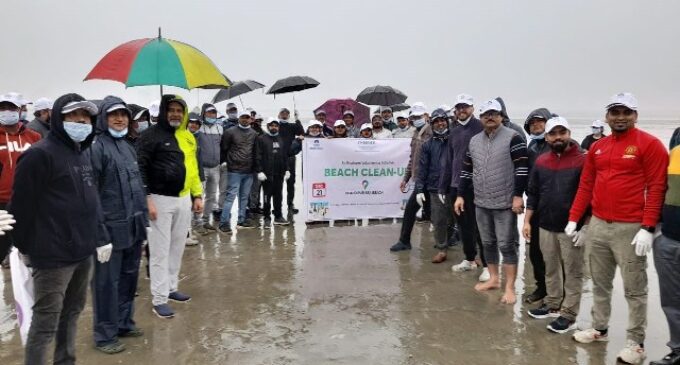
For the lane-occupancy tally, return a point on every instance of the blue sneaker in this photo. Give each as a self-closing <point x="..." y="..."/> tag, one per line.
<point x="163" y="311"/>
<point x="399" y="246"/>
<point x="179" y="297"/>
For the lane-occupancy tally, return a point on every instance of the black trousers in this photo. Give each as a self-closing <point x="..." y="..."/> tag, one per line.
<point x="273" y="190"/>
<point x="467" y="225"/>
<point x="536" y="256"/>
<point x="409" y="219"/>
<point x="290" y="183"/>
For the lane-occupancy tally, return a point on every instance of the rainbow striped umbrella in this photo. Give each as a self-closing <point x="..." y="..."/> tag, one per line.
<point x="158" y="61"/>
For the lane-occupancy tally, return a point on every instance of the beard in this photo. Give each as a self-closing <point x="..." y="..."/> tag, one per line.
<point x="174" y="124"/>
<point x="559" y="146"/>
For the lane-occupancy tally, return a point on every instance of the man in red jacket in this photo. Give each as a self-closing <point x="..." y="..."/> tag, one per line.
<point x="624" y="180"/>
<point x="15" y="138"/>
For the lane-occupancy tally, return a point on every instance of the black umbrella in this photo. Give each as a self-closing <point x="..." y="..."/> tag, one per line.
<point x="236" y="89"/>
<point x="399" y="107"/>
<point x="381" y="95"/>
<point x="292" y="84"/>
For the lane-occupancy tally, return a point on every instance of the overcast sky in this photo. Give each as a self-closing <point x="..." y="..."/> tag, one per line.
<point x="569" y="56"/>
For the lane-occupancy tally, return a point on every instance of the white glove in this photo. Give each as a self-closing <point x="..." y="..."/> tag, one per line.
<point x="286" y="176"/>
<point x="579" y="238"/>
<point x="223" y="165"/>
<point x="261" y="176"/>
<point x="104" y="253"/>
<point x="643" y="242"/>
<point x="442" y="198"/>
<point x="420" y="198"/>
<point x="570" y="229"/>
<point x="6" y="222"/>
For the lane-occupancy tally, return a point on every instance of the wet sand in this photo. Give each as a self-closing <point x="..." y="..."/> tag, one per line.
<point x="338" y="296"/>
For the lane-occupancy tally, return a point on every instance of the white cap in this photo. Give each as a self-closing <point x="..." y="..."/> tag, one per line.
<point x="42" y="104"/>
<point x="418" y="109"/>
<point x="445" y="107"/>
<point x="89" y="106"/>
<point x="365" y="126"/>
<point x="400" y="115"/>
<point x="465" y="99"/>
<point x="314" y="122"/>
<point x="320" y="111"/>
<point x="598" y="124"/>
<point x="19" y="98"/>
<point x="155" y="108"/>
<point x="244" y="113"/>
<point x="492" y="104"/>
<point x="211" y="109"/>
<point x="115" y="107"/>
<point x="271" y="120"/>
<point x="348" y="112"/>
<point x="623" y="99"/>
<point x="338" y="123"/>
<point x="556" y="122"/>
<point x="419" y="104"/>
<point x="10" y="98"/>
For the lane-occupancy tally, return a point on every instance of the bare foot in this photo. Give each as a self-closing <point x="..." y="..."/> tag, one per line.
<point x="509" y="297"/>
<point x="489" y="285"/>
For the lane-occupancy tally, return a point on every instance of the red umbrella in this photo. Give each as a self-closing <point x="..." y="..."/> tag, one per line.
<point x="334" y="109"/>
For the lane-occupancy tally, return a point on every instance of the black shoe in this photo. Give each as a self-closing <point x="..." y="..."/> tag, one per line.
<point x="280" y="221"/>
<point x="179" y="297"/>
<point x="423" y="220"/>
<point x="562" y="325"/>
<point x="671" y="359"/>
<point x="293" y="210"/>
<point x="217" y="214"/>
<point x="246" y="224"/>
<point x="224" y="228"/>
<point x="209" y="227"/>
<point x="544" y="312"/>
<point x="267" y="223"/>
<point x="399" y="246"/>
<point x="256" y="211"/>
<point x="536" y="296"/>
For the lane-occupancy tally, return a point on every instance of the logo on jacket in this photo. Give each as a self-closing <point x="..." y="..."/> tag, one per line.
<point x="598" y="152"/>
<point x="630" y="152"/>
<point x="13" y="146"/>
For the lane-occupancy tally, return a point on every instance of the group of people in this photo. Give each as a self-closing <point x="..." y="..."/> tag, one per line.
<point x="102" y="179"/>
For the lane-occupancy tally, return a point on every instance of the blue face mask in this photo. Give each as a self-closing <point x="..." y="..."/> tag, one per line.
<point x="537" y="137"/>
<point x="210" y="120"/>
<point x="78" y="132"/>
<point x="118" y="134"/>
<point x="142" y="126"/>
<point x="419" y="122"/>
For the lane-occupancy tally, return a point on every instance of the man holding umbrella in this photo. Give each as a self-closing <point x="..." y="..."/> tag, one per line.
<point x="388" y="121"/>
<point x="289" y="131"/>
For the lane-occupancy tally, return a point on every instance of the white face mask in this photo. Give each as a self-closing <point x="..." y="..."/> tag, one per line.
<point x="141" y="126"/>
<point x="8" y="117"/>
<point x="77" y="131"/>
<point x="24" y="116"/>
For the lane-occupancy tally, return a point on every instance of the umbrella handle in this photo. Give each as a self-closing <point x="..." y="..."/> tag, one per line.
<point x="241" y="100"/>
<point x="294" y="107"/>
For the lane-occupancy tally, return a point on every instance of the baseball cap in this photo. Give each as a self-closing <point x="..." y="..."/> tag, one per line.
<point x="348" y="112"/>
<point x="155" y="108"/>
<point x="598" y="124"/>
<point x="556" y="122"/>
<point x="19" y="98"/>
<point x="89" y="107"/>
<point x="115" y="107"/>
<point x="320" y="111"/>
<point x="365" y="126"/>
<point x="339" y="123"/>
<point x="259" y="117"/>
<point x="401" y="116"/>
<point x="210" y="108"/>
<point x="418" y="109"/>
<point x="314" y="122"/>
<point x="271" y="120"/>
<point x="464" y="99"/>
<point x="10" y="98"/>
<point x="231" y="106"/>
<point x="244" y="113"/>
<point x="438" y="113"/>
<point x="42" y="104"/>
<point x="385" y="109"/>
<point x="623" y="99"/>
<point x="489" y="105"/>
<point x="194" y="117"/>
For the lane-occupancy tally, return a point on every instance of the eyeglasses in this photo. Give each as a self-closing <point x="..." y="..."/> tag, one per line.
<point x="462" y="106"/>
<point x="615" y="112"/>
<point x="491" y="114"/>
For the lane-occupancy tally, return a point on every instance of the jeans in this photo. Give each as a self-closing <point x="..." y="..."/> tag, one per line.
<point x="224" y="180"/>
<point x="497" y="228"/>
<point x="667" y="262"/>
<point x="273" y="190"/>
<point x="441" y="219"/>
<point x="237" y="185"/>
<point x="469" y="233"/>
<point x="210" y="187"/>
<point x="60" y="296"/>
<point x="113" y="294"/>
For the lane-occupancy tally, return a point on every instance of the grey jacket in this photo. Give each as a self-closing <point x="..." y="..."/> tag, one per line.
<point x="492" y="169"/>
<point x="209" y="138"/>
<point x="39" y="127"/>
<point x="416" y="146"/>
<point x="407" y="132"/>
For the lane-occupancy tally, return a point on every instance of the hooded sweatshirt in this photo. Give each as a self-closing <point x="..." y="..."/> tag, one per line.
<point x="167" y="156"/>
<point x="55" y="200"/>
<point x="508" y="123"/>
<point x="12" y="145"/>
<point x="209" y="137"/>
<point x="538" y="146"/>
<point x="121" y="191"/>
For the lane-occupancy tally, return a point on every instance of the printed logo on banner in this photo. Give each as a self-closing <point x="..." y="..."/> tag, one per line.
<point x="316" y="146"/>
<point x="318" y="190"/>
<point x="318" y="209"/>
<point x="364" y="184"/>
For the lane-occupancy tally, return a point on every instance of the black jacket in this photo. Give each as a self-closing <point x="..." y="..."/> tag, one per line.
<point x="270" y="156"/>
<point x="121" y="191"/>
<point x="55" y="200"/>
<point x="161" y="161"/>
<point x="237" y="149"/>
<point x="430" y="168"/>
<point x="288" y="132"/>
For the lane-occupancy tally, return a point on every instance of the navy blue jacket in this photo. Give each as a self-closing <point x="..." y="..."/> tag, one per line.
<point x="119" y="182"/>
<point x="55" y="200"/>
<point x="430" y="167"/>
<point x="452" y="160"/>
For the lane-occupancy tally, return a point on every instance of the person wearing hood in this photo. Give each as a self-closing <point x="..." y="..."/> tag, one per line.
<point x="56" y="205"/>
<point x="290" y="132"/>
<point x="495" y="168"/>
<point x="352" y="128"/>
<point x="534" y="126"/>
<point x="463" y="128"/>
<point x="166" y="154"/>
<point x="125" y="217"/>
<point x="209" y="138"/>
<point x="553" y="183"/>
<point x="138" y="124"/>
<point x="340" y="129"/>
<point x="427" y="182"/>
<point x="237" y="149"/>
<point x="388" y="118"/>
<point x="379" y="130"/>
<point x="232" y="116"/>
<point x="42" y="113"/>
<point x="424" y="132"/>
<point x="507" y="122"/>
<point x="404" y="128"/>
<point x="597" y="134"/>
<point x="271" y="165"/>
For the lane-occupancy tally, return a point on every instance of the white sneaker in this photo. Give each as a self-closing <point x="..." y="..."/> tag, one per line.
<point x="632" y="353"/>
<point x="484" y="276"/>
<point x="465" y="265"/>
<point x="589" y="335"/>
<point x="191" y="241"/>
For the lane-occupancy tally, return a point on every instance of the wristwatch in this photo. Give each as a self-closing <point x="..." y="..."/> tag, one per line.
<point x="649" y="229"/>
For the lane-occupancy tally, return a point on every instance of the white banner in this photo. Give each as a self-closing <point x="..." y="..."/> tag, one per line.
<point x="352" y="178"/>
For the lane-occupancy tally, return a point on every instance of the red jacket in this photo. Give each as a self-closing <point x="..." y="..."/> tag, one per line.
<point x="11" y="147"/>
<point x="624" y="179"/>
